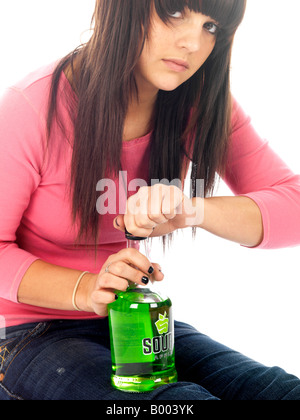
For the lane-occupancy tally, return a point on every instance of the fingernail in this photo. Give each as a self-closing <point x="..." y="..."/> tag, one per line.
<point x="145" y="280"/>
<point x="151" y="269"/>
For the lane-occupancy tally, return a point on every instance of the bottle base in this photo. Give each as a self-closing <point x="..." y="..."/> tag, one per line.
<point x="144" y="383"/>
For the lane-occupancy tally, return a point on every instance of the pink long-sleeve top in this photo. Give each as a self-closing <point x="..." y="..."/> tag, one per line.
<point x="35" y="210"/>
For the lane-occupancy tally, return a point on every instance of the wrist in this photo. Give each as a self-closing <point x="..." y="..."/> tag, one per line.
<point x="84" y="291"/>
<point x="195" y="212"/>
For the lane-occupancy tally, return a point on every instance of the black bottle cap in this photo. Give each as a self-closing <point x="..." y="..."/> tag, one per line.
<point x="133" y="238"/>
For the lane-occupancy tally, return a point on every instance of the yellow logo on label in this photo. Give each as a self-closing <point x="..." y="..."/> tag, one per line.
<point x="161" y="343"/>
<point x="162" y="324"/>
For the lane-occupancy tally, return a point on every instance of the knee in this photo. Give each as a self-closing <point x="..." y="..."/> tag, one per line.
<point x="185" y="391"/>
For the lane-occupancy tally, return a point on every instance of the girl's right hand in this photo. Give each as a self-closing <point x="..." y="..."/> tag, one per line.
<point x="97" y="291"/>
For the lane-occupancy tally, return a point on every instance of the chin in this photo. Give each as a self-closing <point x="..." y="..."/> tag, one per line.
<point x="170" y="82"/>
<point x="169" y="87"/>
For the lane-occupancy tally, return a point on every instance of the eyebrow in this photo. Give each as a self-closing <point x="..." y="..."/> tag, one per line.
<point x="213" y="20"/>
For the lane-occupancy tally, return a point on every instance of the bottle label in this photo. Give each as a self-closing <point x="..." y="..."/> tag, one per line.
<point x="141" y="336"/>
<point x="161" y="343"/>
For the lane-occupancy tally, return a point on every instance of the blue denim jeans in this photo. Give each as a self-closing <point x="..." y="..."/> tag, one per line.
<point x="70" y="360"/>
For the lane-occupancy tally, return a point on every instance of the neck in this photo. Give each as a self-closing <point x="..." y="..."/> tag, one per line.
<point x="139" y="116"/>
<point x="147" y="93"/>
<point x="138" y="121"/>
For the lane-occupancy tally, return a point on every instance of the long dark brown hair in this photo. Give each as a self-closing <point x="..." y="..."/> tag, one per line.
<point x="105" y="82"/>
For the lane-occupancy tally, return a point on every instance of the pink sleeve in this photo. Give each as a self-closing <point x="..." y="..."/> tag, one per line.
<point x="21" y="154"/>
<point x="256" y="171"/>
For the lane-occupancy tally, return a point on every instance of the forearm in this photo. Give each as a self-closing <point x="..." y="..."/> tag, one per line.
<point x="50" y="286"/>
<point x="237" y="219"/>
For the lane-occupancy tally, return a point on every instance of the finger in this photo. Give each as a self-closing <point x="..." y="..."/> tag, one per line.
<point x="138" y="229"/>
<point x="121" y="272"/>
<point x="139" y="225"/>
<point x="155" y="213"/>
<point x="111" y="281"/>
<point x="172" y="203"/>
<point x="157" y="275"/>
<point x="103" y="296"/>
<point x="137" y="259"/>
<point x="136" y="218"/>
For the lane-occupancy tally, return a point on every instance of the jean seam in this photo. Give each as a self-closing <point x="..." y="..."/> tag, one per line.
<point x="12" y="396"/>
<point x="3" y="348"/>
<point x="18" y="350"/>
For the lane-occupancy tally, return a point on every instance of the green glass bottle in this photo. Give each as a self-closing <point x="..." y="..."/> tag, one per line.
<point x="142" y="338"/>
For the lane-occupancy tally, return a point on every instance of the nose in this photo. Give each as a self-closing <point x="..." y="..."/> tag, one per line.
<point x="191" y="35"/>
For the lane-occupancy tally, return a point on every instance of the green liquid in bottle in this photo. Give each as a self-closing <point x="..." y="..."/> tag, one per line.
<point x="142" y="340"/>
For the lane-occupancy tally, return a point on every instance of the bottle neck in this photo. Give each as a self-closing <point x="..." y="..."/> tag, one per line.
<point x="133" y="244"/>
<point x="145" y="244"/>
<point x="137" y="244"/>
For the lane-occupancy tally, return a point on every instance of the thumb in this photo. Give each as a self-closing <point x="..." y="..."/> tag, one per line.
<point x="119" y="223"/>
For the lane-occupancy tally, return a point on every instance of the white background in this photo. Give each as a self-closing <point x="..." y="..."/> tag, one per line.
<point x="246" y="299"/>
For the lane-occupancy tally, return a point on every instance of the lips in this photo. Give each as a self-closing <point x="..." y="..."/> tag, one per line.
<point x="176" y="64"/>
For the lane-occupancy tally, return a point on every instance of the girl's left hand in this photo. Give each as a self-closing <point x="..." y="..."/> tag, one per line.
<point x="159" y="210"/>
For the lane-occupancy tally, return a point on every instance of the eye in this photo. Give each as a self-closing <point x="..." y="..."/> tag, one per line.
<point x="176" y="15"/>
<point x="212" y="28"/>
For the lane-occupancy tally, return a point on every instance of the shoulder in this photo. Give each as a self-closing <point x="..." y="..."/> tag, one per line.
<point x="29" y="96"/>
<point x="239" y="117"/>
<point x="35" y="79"/>
<point x="23" y="114"/>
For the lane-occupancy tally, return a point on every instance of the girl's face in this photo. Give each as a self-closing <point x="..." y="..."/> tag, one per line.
<point x="175" y="51"/>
